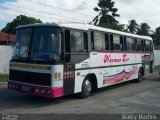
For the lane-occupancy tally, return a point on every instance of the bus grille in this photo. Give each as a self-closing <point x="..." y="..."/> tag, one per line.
<point x="43" y="79"/>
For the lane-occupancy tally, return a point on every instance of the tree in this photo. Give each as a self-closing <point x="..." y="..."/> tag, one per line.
<point x="106" y="14"/>
<point x="19" y="20"/>
<point x="156" y="36"/>
<point x="115" y="26"/>
<point x="133" y="27"/>
<point x="144" y="29"/>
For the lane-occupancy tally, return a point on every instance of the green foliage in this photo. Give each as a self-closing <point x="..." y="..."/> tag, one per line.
<point x="157" y="67"/>
<point x="106" y="14"/>
<point x="144" y="29"/>
<point x="156" y="36"/>
<point x="19" y="20"/>
<point x="114" y="26"/>
<point x="133" y="27"/>
<point x="4" y="78"/>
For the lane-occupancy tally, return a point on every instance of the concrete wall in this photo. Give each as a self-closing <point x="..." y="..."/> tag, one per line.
<point x="5" y="56"/>
<point x="156" y="57"/>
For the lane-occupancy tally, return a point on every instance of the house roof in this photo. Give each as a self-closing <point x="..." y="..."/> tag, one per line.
<point x="4" y="37"/>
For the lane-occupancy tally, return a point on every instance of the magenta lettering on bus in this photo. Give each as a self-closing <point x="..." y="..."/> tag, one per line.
<point x="107" y="58"/>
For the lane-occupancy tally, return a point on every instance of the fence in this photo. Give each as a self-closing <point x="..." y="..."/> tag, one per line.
<point x="156" y="57"/>
<point x="5" y="56"/>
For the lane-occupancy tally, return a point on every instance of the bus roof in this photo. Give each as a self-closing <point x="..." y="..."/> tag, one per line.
<point x="86" y="27"/>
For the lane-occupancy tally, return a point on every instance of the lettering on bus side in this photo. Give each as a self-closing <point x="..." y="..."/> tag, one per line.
<point x="107" y="58"/>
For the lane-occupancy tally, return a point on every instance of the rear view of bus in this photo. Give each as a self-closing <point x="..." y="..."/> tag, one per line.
<point x="36" y="67"/>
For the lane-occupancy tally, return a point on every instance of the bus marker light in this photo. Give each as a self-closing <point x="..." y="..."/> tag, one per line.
<point x="10" y="84"/>
<point x="49" y="92"/>
<point x="37" y="90"/>
<point x="17" y="86"/>
<point x="42" y="91"/>
<point x="13" y="86"/>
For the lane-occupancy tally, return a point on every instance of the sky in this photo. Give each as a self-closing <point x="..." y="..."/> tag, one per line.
<point x="79" y="10"/>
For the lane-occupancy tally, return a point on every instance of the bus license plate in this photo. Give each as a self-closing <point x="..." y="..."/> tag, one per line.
<point x="26" y="89"/>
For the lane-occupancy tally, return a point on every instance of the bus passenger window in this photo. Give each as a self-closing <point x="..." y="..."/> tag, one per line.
<point x="92" y="40"/>
<point x="76" y="41"/>
<point x="67" y="41"/>
<point x="85" y="42"/>
<point x="106" y="42"/>
<point x="139" y="45"/>
<point x="116" y="42"/>
<point x="151" y="46"/>
<point x="99" y="41"/>
<point x="143" y="45"/>
<point x="129" y="44"/>
<point x="147" y="46"/>
<point x="121" y="43"/>
<point x="111" y="42"/>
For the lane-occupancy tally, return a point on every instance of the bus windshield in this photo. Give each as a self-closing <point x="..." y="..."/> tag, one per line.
<point x="39" y="43"/>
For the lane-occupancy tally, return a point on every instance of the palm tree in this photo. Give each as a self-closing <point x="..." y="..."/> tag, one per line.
<point x="133" y="27"/>
<point x="156" y="36"/>
<point x="144" y="29"/>
<point x="106" y="12"/>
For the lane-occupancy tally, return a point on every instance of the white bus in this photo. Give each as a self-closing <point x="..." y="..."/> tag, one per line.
<point x="54" y="60"/>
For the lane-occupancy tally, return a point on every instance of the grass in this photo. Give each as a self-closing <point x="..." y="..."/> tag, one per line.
<point x="4" y="78"/>
<point x="157" y="67"/>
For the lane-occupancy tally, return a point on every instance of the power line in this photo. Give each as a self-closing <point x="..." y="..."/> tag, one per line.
<point x="63" y="9"/>
<point x="38" y="15"/>
<point x="49" y="13"/>
<point x="45" y="16"/>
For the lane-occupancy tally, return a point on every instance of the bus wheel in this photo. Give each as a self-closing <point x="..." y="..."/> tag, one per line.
<point x="140" y="76"/>
<point x="86" y="89"/>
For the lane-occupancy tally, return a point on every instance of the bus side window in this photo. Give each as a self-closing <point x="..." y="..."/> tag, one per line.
<point x="125" y="44"/>
<point x="92" y="40"/>
<point x="121" y="43"/>
<point x="67" y="41"/>
<point x="129" y="44"/>
<point x="111" y="42"/>
<point x="85" y="42"/>
<point x="143" y="45"/>
<point x="148" y="46"/>
<point x="106" y="42"/>
<point x="135" y="44"/>
<point x="99" y="41"/>
<point x="139" y="45"/>
<point x="116" y="43"/>
<point x="151" y="46"/>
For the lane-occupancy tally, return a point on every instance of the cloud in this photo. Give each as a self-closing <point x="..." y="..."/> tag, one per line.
<point x="48" y="11"/>
<point x="140" y="10"/>
<point x="80" y="10"/>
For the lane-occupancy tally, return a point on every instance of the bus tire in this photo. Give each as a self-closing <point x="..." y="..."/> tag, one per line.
<point x="140" y="76"/>
<point x="87" y="88"/>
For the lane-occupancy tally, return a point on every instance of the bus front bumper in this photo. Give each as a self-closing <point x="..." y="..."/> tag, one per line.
<point x="36" y="90"/>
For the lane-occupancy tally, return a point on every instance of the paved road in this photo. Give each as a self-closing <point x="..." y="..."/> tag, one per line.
<point x="124" y="98"/>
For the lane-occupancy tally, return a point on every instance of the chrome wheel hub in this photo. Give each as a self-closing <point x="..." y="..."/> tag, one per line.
<point x="87" y="87"/>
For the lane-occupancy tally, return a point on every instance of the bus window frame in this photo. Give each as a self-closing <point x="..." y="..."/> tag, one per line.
<point x="150" y="47"/>
<point x="64" y="40"/>
<point x="92" y="40"/>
